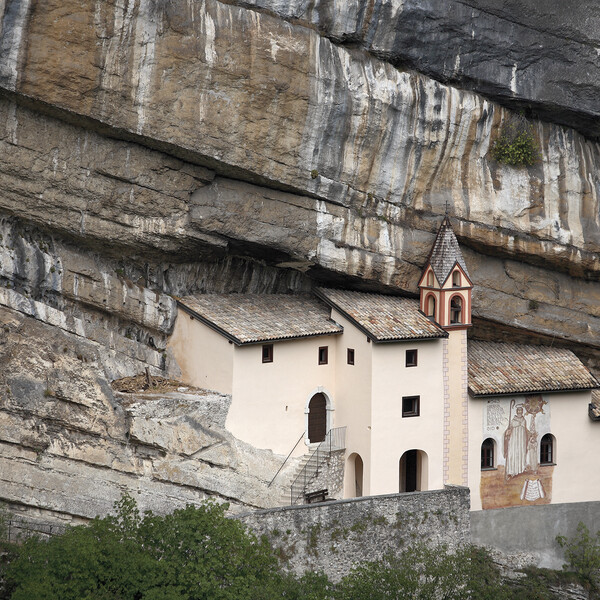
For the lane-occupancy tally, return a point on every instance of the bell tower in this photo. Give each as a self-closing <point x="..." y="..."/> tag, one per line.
<point x="445" y="286"/>
<point x="445" y="297"/>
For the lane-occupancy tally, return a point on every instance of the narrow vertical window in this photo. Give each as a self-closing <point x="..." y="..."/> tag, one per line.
<point x="430" y="306"/>
<point x="267" y="353"/>
<point x="350" y="356"/>
<point x="411" y="358"/>
<point x="323" y="355"/>
<point x="547" y="450"/>
<point x="456" y="278"/>
<point x="456" y="310"/>
<point x="487" y="454"/>
<point x="430" y="279"/>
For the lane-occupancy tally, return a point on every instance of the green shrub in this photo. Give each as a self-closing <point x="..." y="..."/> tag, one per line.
<point x="193" y="553"/>
<point x="582" y="552"/>
<point x="516" y="145"/>
<point x="422" y="573"/>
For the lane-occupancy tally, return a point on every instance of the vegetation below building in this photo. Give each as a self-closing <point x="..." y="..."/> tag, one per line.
<point x="198" y="553"/>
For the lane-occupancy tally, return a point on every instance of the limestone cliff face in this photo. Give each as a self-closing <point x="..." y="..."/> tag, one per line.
<point x="155" y="148"/>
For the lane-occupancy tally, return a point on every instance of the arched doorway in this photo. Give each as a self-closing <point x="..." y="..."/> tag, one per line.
<point x="413" y="471"/>
<point x="353" y="487"/>
<point x="317" y="418"/>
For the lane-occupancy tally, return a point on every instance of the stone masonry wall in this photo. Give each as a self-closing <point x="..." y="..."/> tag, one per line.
<point x="330" y="477"/>
<point x="335" y="536"/>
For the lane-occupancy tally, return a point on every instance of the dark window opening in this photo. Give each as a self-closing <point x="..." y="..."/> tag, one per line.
<point x="411" y="358"/>
<point x="411" y="406"/>
<point x="487" y="454"/>
<point x="323" y="354"/>
<point x="350" y="356"/>
<point x="456" y="279"/>
<point x="267" y="353"/>
<point x="430" y="307"/>
<point x="547" y="450"/>
<point x="456" y="310"/>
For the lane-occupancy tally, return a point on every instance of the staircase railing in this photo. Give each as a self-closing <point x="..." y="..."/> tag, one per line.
<point x="286" y="459"/>
<point x="334" y="440"/>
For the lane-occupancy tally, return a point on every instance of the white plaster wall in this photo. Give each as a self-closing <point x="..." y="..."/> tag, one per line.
<point x="576" y="478"/>
<point x="204" y="356"/>
<point x="476" y="438"/>
<point x="353" y="398"/>
<point x="392" y="435"/>
<point x="270" y="399"/>
<point x="576" y="474"/>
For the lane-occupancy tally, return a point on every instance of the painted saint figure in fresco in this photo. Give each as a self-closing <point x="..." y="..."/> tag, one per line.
<point x="516" y="440"/>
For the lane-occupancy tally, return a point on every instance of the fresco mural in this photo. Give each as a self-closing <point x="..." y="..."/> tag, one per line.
<point x="513" y="475"/>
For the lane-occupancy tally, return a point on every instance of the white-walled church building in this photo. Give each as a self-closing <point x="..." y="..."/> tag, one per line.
<point x="421" y="405"/>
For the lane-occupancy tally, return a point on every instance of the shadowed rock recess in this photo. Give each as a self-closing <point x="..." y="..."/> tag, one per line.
<point x="151" y="149"/>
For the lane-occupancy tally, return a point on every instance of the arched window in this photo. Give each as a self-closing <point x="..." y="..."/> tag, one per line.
<point x="456" y="278"/>
<point x="547" y="450"/>
<point x="456" y="310"/>
<point x="487" y="454"/>
<point x="430" y="279"/>
<point x="430" y="306"/>
<point x="317" y="418"/>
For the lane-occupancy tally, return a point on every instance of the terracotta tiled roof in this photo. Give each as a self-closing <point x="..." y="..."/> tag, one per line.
<point x="595" y="406"/>
<point x="496" y="368"/>
<point x="445" y="253"/>
<point x="249" y="318"/>
<point x="383" y="318"/>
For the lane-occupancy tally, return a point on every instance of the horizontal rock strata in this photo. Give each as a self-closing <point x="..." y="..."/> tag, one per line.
<point x="151" y="149"/>
<point x="70" y="446"/>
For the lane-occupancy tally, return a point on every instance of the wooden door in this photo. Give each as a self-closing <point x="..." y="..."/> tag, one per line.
<point x="317" y="418"/>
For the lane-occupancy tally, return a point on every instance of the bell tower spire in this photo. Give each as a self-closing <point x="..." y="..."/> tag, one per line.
<point x="445" y="286"/>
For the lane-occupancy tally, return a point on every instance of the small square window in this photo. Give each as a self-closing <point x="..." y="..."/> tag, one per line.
<point x="323" y="352"/>
<point x="411" y="358"/>
<point x="350" y="356"/>
<point x="267" y="353"/>
<point x="411" y="406"/>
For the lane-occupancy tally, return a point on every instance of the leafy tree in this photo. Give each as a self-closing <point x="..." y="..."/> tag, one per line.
<point x="582" y="552"/>
<point x="191" y="554"/>
<point x="423" y="573"/>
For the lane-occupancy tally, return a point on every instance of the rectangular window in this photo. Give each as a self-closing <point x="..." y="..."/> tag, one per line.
<point x="323" y="351"/>
<point x="267" y="353"/>
<point x="411" y="406"/>
<point x="350" y="356"/>
<point x="411" y="358"/>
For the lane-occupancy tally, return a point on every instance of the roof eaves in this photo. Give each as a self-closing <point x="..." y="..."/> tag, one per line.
<point x="290" y="337"/>
<point x="532" y="391"/>
<point x="424" y="338"/>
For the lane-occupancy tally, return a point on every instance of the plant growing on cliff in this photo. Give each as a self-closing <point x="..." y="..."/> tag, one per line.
<point x="582" y="552"/>
<point x="516" y="145"/>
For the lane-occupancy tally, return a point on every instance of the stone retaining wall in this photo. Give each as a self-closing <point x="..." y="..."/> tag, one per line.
<point x="335" y="536"/>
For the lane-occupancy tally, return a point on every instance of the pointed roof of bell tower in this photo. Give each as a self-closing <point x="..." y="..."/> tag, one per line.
<point x="445" y="253"/>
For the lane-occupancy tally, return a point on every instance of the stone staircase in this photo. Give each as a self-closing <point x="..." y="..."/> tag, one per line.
<point x="308" y="479"/>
